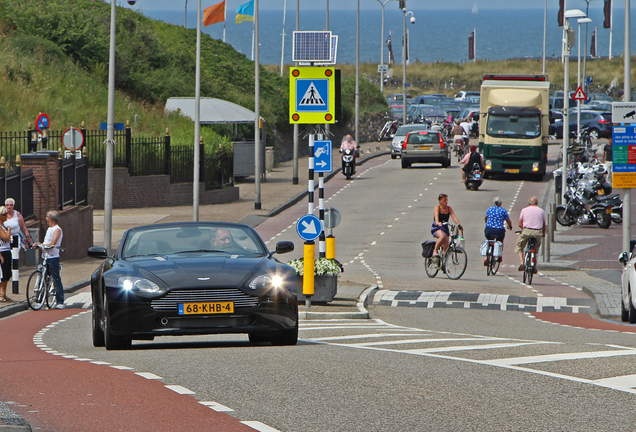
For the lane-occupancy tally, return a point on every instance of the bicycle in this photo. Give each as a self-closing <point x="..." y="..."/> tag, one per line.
<point x="492" y="261"/>
<point x="529" y="260"/>
<point x="40" y="288"/>
<point x="453" y="261"/>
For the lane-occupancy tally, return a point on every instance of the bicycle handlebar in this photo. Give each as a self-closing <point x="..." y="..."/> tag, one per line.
<point x="41" y="246"/>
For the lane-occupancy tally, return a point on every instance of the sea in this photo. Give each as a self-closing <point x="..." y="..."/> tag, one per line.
<point x="436" y="35"/>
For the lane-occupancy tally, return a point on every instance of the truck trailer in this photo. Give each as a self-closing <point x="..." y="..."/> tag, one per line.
<point x="513" y="125"/>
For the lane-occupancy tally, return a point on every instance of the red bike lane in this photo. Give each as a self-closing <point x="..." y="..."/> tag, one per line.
<point x="57" y="394"/>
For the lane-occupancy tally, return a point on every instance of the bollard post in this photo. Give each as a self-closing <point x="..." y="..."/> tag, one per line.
<point x="552" y="222"/>
<point x="308" y="271"/>
<point x="546" y="248"/>
<point x="15" y="259"/>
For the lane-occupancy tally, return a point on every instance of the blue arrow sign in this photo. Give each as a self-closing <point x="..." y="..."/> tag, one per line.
<point x="323" y="161"/>
<point x="309" y="227"/>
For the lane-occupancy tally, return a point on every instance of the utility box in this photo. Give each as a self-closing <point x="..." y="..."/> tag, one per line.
<point x="244" y="158"/>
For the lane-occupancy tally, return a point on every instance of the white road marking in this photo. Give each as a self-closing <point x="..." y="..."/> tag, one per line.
<point x="148" y="375"/>
<point x="261" y="427"/>
<point x="180" y="389"/>
<point x="217" y="406"/>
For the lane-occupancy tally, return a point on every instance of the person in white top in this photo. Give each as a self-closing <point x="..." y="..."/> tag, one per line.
<point x="15" y="221"/>
<point x="53" y="237"/>
<point x="5" y="255"/>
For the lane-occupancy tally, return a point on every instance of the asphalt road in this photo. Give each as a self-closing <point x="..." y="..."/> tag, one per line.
<point x="406" y="369"/>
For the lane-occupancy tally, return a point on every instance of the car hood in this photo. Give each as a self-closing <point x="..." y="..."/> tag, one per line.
<point x="201" y="272"/>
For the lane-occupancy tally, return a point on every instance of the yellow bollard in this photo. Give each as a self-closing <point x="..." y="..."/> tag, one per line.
<point x="308" y="269"/>
<point x="330" y="242"/>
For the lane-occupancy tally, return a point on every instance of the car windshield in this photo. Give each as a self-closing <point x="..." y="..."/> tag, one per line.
<point x="205" y="238"/>
<point x="403" y="130"/>
<point x="514" y="126"/>
<point x="417" y="138"/>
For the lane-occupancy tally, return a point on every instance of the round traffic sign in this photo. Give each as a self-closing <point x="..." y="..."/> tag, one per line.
<point x="309" y="227"/>
<point x="332" y="217"/>
<point x="73" y="138"/>
<point x="42" y="122"/>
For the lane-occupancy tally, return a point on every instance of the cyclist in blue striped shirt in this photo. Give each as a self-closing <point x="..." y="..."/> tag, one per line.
<point x="495" y="218"/>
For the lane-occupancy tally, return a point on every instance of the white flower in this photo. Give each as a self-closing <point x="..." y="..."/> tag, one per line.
<point x="322" y="266"/>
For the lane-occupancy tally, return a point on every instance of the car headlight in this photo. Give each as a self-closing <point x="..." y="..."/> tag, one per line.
<point x="266" y="281"/>
<point x="132" y="283"/>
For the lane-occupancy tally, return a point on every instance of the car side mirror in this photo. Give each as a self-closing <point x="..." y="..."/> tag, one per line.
<point x="623" y="258"/>
<point x="284" y="247"/>
<point x="97" y="252"/>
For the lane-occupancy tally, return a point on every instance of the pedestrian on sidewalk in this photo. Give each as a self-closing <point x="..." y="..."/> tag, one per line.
<point x="52" y="241"/>
<point x="15" y="221"/>
<point x="5" y="255"/>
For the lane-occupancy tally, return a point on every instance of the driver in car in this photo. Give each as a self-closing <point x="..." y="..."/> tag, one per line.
<point x="223" y="239"/>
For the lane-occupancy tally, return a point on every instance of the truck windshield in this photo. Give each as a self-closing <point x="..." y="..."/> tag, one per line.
<point x="514" y="126"/>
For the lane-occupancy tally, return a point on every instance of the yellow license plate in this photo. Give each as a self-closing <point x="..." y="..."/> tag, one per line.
<point x="601" y="191"/>
<point x="206" y="308"/>
<point x="424" y="147"/>
<point x="512" y="171"/>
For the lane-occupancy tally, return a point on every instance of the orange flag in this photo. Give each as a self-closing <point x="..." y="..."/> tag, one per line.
<point x="214" y="14"/>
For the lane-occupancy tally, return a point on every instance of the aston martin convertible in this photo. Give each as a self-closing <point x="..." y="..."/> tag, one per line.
<point x="193" y="278"/>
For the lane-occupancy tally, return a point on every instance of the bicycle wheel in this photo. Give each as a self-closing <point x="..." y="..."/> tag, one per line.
<point x="494" y="265"/>
<point x="431" y="267"/>
<point x="51" y="299"/>
<point x="529" y="271"/>
<point x="455" y="262"/>
<point x="489" y="260"/>
<point x="35" y="291"/>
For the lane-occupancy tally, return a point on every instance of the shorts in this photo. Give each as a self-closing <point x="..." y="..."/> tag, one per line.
<point x="7" y="265"/>
<point x="526" y="234"/>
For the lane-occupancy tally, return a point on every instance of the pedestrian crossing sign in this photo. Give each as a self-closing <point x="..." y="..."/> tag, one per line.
<point x="312" y="93"/>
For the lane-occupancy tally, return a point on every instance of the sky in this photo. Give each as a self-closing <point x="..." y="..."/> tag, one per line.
<point x="148" y="5"/>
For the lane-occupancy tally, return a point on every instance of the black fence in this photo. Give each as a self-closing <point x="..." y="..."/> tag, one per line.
<point x="73" y="175"/>
<point x="18" y="184"/>
<point x="140" y="155"/>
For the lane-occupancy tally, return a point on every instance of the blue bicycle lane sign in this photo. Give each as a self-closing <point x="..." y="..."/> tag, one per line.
<point x="309" y="227"/>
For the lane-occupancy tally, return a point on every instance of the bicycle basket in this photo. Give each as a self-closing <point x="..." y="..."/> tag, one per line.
<point x="460" y="242"/>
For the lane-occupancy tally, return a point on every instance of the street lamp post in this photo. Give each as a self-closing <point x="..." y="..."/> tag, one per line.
<point x="574" y="13"/>
<point x="382" y="47"/>
<point x="404" y="61"/>
<point x="578" y="79"/>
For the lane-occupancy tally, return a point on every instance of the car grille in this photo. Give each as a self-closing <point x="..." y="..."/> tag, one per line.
<point x="173" y="298"/>
<point x="501" y="151"/>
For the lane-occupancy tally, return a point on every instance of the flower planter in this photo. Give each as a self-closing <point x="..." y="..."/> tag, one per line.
<point x="325" y="288"/>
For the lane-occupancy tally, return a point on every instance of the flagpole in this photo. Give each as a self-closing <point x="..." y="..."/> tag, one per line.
<point x="257" y="111"/>
<point x="197" y="121"/>
<point x="224" y="19"/>
<point x="282" y="51"/>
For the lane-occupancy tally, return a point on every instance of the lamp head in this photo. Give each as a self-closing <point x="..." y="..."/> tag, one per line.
<point x="584" y="20"/>
<point x="412" y="20"/>
<point x="132" y="2"/>
<point x="574" y="13"/>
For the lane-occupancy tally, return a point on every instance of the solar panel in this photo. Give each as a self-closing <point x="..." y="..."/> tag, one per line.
<point x="334" y="52"/>
<point x="311" y="46"/>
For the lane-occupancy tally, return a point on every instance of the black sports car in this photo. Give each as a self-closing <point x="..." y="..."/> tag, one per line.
<point x="192" y="278"/>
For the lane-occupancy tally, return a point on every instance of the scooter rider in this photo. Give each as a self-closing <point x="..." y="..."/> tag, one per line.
<point x="349" y="144"/>
<point x="469" y="160"/>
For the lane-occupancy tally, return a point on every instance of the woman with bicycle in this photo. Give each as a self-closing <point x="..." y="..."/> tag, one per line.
<point x="441" y="214"/>
<point x="5" y="255"/>
<point x="50" y="245"/>
<point x="495" y="218"/>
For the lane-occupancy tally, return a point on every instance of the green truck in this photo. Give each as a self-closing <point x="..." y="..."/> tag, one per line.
<point x="513" y="125"/>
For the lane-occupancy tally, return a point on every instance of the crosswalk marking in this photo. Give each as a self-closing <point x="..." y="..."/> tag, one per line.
<point x="559" y="357"/>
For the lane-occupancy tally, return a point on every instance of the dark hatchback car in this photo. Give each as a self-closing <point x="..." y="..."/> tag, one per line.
<point x="192" y="278"/>
<point x="425" y="146"/>
<point x="598" y="123"/>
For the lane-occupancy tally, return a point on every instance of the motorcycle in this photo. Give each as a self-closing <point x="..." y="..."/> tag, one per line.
<point x="458" y="147"/>
<point x="348" y="163"/>
<point x="473" y="178"/>
<point x="389" y="129"/>
<point x="581" y="211"/>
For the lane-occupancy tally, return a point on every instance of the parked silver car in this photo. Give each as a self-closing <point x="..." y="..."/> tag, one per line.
<point x="398" y="139"/>
<point x="425" y="146"/>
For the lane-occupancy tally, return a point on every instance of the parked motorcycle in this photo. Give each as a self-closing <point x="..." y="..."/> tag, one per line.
<point x="581" y="211"/>
<point x="389" y="129"/>
<point x="473" y="178"/>
<point x="348" y="163"/>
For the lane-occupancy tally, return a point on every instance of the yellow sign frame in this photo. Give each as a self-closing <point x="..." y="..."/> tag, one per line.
<point x="298" y="115"/>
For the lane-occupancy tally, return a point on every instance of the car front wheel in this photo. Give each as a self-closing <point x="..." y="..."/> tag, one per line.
<point x="112" y="342"/>
<point x="286" y="337"/>
<point x="631" y="315"/>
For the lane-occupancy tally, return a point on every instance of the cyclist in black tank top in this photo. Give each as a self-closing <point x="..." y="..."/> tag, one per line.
<point x="442" y="213"/>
